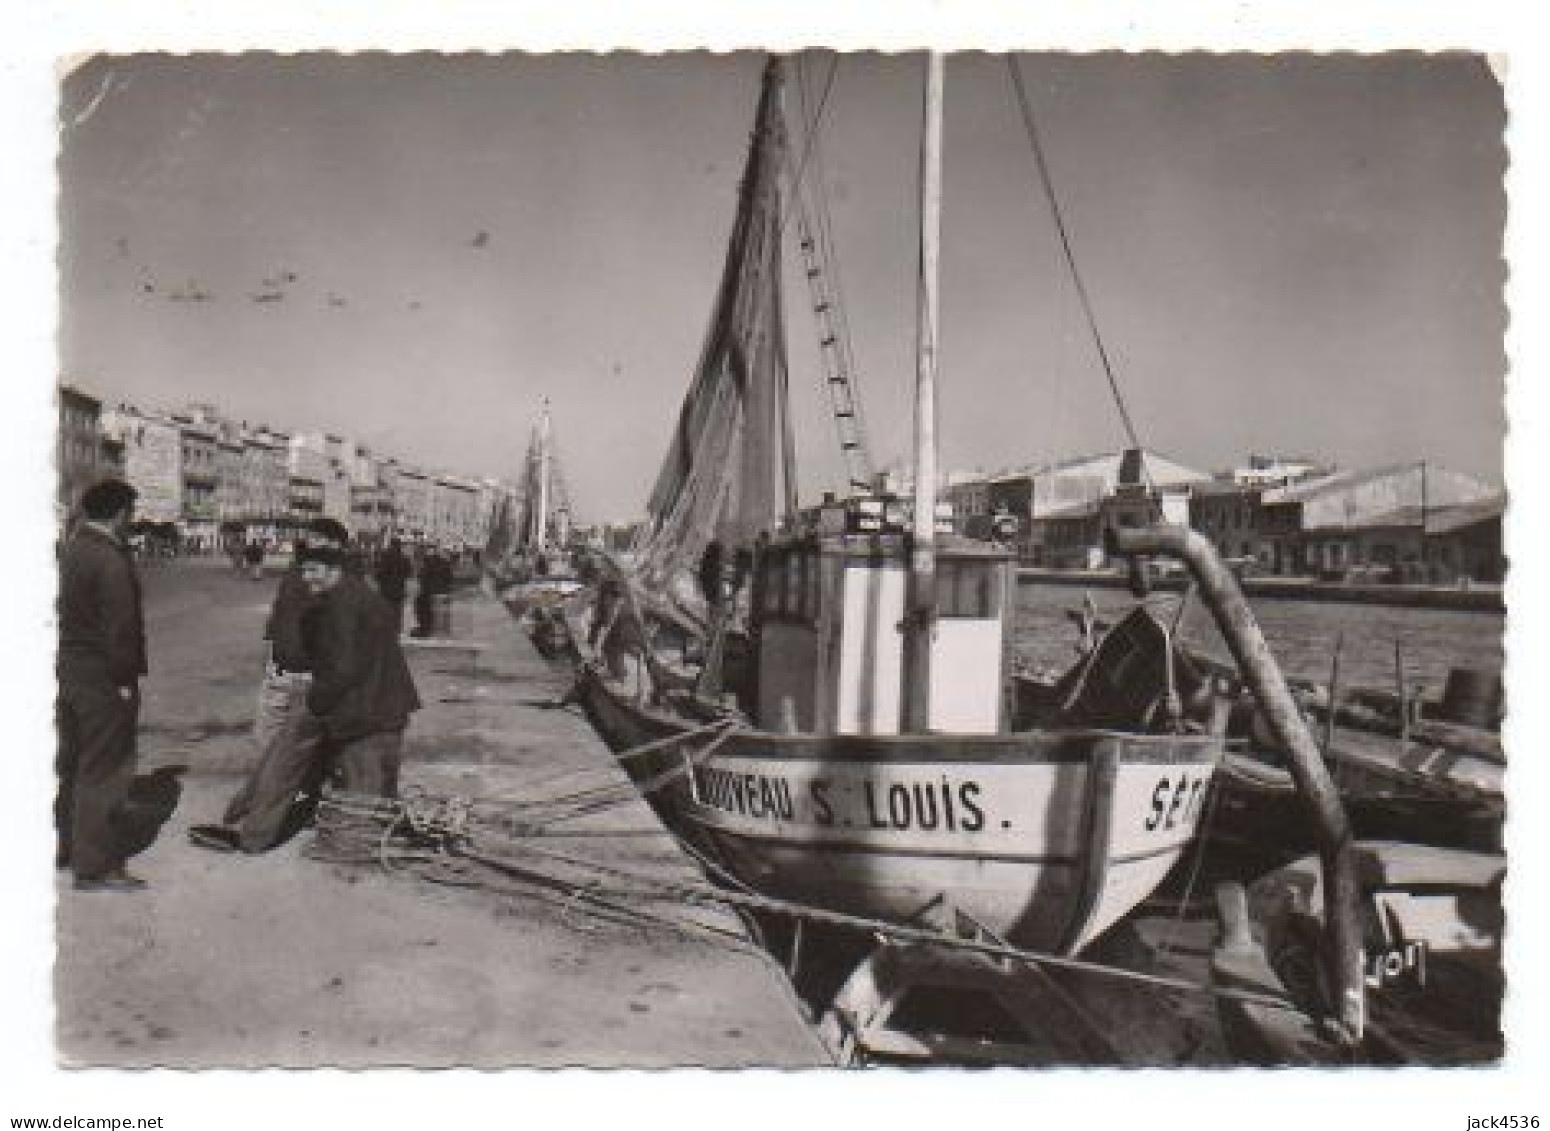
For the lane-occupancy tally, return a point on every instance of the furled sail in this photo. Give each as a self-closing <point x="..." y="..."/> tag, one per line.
<point x="502" y="536"/>
<point x="539" y="514"/>
<point x="728" y="474"/>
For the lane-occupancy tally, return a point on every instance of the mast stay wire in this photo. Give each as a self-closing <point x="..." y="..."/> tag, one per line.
<point x="821" y="261"/>
<point x="1030" y="127"/>
<point x="818" y="184"/>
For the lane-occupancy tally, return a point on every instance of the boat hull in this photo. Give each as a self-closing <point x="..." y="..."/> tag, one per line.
<point x="1046" y="838"/>
<point x="540" y="593"/>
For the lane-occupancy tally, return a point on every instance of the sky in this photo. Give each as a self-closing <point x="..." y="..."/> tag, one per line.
<point x="1295" y="254"/>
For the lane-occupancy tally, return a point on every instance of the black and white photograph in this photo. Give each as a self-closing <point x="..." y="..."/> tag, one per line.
<point x="865" y="563"/>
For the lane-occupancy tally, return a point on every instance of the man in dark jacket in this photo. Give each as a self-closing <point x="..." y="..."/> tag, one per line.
<point x="277" y="798"/>
<point x="362" y="693"/>
<point x="101" y="659"/>
<point x="392" y="573"/>
<point x="435" y="581"/>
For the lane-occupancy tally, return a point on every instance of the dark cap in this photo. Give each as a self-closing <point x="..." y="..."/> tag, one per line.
<point x="320" y="555"/>
<point x="103" y="500"/>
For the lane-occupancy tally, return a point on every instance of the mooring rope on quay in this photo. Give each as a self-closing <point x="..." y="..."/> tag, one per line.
<point x="429" y="829"/>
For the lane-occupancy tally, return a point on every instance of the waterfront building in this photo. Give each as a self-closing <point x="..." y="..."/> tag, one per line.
<point x="110" y="461"/>
<point x="1464" y="542"/>
<point x="1444" y="545"/>
<point x="371" y="513"/>
<point x="371" y="499"/>
<point x="305" y="501"/>
<point x="266" y="483"/>
<point x="1278" y="471"/>
<point x="196" y="521"/>
<point x="79" y="453"/>
<point x="387" y="472"/>
<point x="493" y="497"/>
<point x="338" y="495"/>
<point x="412" y="502"/>
<point x="1066" y="537"/>
<point x="211" y="478"/>
<point x="1310" y="527"/>
<point x="1229" y="513"/>
<point x="230" y="500"/>
<point x="1070" y="504"/>
<point x="153" y="461"/>
<point x="339" y="454"/>
<point x="968" y="493"/>
<point x="309" y="456"/>
<point x="460" y="510"/>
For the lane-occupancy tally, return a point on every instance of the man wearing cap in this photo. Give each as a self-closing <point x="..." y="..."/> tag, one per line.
<point x="100" y="662"/>
<point x="362" y="693"/>
<point x="278" y="796"/>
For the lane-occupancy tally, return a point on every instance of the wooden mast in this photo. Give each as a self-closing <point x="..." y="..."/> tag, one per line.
<point x="921" y="621"/>
<point x="541" y="535"/>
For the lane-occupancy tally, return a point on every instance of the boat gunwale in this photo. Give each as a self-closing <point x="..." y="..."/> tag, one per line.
<point x="1060" y="747"/>
<point x="694" y="813"/>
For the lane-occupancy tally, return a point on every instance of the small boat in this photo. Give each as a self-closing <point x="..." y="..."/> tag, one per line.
<point x="826" y="717"/>
<point x="1424" y="772"/>
<point x="1432" y="924"/>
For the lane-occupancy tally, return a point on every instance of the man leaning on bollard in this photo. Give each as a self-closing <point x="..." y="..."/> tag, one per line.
<point x="348" y="717"/>
<point x="101" y="659"/>
<point x="362" y="693"/>
<point x="278" y="796"/>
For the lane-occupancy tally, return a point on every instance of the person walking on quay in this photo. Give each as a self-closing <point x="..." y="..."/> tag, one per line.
<point x="100" y="662"/>
<point x="253" y="555"/>
<point x="278" y="797"/>
<point x="435" y="581"/>
<point x="392" y="574"/>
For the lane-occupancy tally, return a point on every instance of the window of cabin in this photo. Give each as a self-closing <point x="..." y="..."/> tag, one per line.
<point x="966" y="589"/>
<point x="795" y="564"/>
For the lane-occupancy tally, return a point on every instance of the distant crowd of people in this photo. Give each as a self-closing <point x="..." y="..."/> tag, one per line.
<point x="334" y="700"/>
<point x="389" y="568"/>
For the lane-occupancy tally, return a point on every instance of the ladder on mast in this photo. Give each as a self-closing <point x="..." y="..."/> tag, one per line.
<point x="833" y="348"/>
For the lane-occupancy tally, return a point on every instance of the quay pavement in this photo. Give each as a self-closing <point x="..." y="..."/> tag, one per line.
<point x="286" y="960"/>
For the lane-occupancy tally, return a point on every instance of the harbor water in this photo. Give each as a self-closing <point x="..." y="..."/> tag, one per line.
<point x="1302" y="634"/>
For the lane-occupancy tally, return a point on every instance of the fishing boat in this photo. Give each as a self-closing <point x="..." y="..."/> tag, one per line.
<point x="532" y="567"/>
<point x="821" y="708"/>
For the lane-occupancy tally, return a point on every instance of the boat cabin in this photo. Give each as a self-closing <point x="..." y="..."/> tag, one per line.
<point x="828" y="616"/>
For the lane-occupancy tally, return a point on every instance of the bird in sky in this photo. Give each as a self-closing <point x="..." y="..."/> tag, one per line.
<point x="190" y="292"/>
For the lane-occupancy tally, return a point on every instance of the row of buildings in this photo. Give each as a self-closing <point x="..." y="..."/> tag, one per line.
<point x="213" y="480"/>
<point x="1414" y="522"/>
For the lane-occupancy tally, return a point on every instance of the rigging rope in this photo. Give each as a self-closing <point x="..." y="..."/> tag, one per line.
<point x="1030" y="127"/>
<point x="701" y="893"/>
<point x="816" y="228"/>
<point x="810" y="126"/>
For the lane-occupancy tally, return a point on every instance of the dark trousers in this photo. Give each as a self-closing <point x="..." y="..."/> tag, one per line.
<point x="425" y="613"/>
<point x="95" y="763"/>
<point x="281" y="793"/>
<point x="276" y="800"/>
<point x="370" y="764"/>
